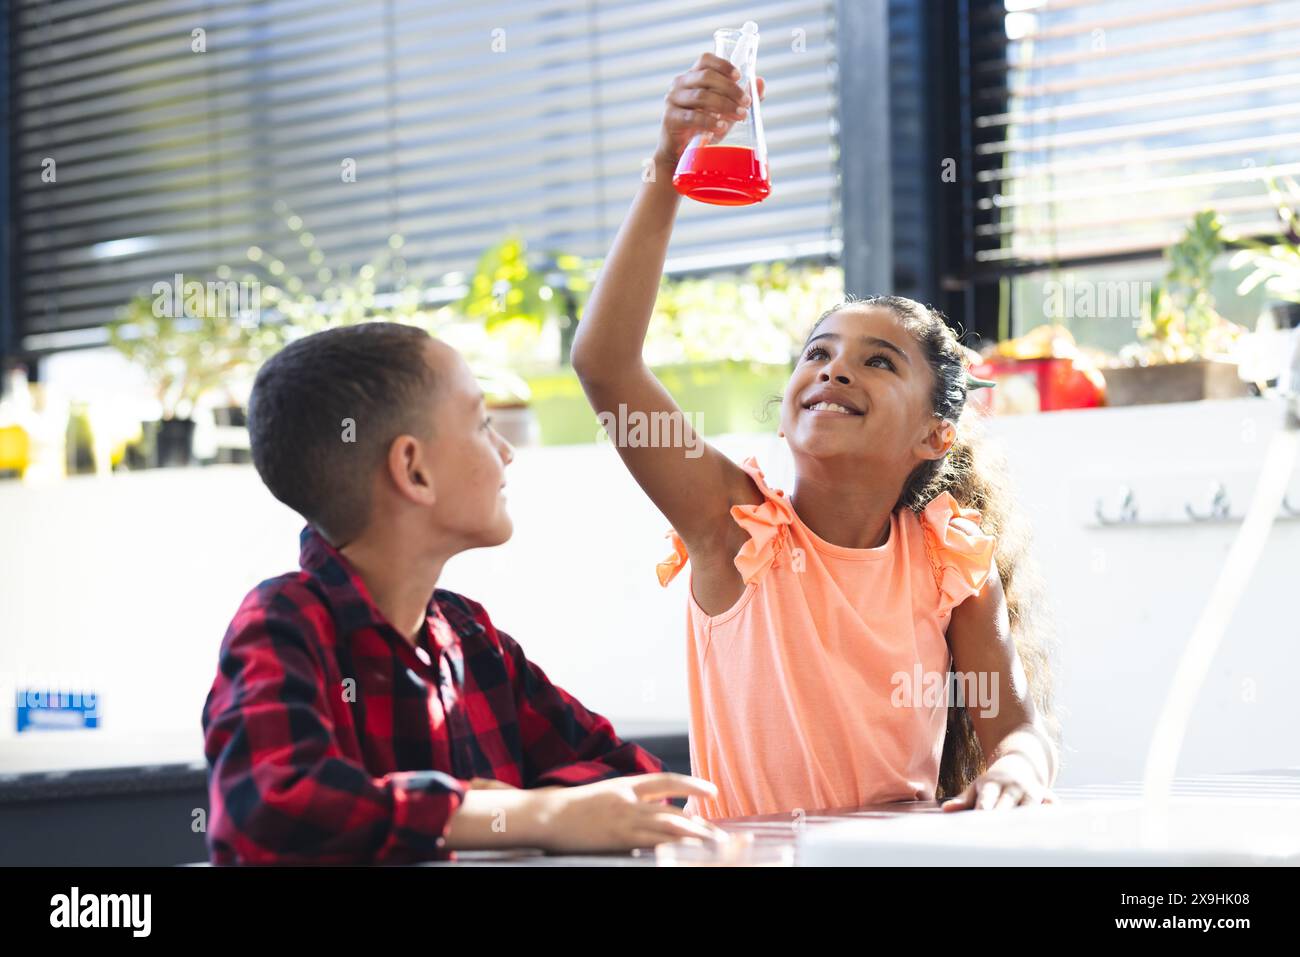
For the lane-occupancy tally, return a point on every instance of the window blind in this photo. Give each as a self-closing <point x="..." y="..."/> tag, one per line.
<point x="463" y="122"/>
<point x="1100" y="127"/>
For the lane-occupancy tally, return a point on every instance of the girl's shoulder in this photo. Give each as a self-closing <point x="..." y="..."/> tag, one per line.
<point x="959" y="552"/>
<point x="763" y="521"/>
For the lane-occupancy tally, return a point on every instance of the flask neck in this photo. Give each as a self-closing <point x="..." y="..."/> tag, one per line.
<point x="739" y="49"/>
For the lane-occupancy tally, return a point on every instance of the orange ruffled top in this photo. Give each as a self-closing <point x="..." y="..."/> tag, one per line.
<point x="811" y="691"/>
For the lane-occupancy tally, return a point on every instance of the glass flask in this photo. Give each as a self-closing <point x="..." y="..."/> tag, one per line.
<point x="728" y="167"/>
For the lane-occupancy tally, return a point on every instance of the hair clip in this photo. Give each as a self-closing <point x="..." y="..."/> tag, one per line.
<point x="975" y="382"/>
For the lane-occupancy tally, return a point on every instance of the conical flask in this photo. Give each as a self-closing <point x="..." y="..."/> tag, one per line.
<point x="728" y="167"/>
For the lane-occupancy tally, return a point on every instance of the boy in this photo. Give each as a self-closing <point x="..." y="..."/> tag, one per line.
<point x="356" y="719"/>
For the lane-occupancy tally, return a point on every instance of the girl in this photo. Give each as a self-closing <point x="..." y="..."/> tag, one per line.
<point x="823" y="626"/>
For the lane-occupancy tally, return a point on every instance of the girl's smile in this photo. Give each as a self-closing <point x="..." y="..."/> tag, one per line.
<point x="828" y="401"/>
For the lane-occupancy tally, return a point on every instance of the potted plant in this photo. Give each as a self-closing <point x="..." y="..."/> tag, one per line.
<point x="1184" y="346"/>
<point x="508" y="398"/>
<point x="720" y="343"/>
<point x="498" y="319"/>
<point x="1276" y="264"/>
<point x="187" y="341"/>
<point x="511" y="303"/>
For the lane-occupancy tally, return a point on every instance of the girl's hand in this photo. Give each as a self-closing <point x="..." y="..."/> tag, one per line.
<point x="1010" y="781"/>
<point x="705" y="98"/>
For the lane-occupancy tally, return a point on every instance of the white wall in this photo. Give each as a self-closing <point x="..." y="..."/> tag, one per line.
<point x="1128" y="598"/>
<point x="128" y="583"/>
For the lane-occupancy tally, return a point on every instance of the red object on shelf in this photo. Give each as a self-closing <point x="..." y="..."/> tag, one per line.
<point x="1036" y="385"/>
<point x="722" y="175"/>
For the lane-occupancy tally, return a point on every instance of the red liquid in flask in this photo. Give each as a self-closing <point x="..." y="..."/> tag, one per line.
<point x="722" y="175"/>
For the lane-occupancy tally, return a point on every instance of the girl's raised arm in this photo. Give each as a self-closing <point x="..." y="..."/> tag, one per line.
<point x="691" y="482"/>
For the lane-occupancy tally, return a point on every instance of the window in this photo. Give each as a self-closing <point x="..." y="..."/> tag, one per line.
<point x="1100" y="128"/>
<point x="180" y="134"/>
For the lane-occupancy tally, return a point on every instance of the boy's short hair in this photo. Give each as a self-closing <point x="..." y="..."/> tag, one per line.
<point x="324" y="411"/>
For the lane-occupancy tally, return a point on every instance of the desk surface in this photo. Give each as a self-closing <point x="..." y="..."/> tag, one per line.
<point x="783" y="830"/>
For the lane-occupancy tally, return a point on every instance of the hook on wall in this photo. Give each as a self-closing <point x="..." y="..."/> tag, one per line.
<point x="1128" y="511"/>
<point x="1220" y="507"/>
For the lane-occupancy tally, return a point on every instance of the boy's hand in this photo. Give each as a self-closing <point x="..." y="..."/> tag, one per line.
<point x="705" y="98"/>
<point x="620" y="814"/>
<point x="1010" y="781"/>
<point x="488" y="784"/>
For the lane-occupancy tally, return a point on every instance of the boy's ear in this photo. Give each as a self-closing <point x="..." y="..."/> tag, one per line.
<point x="938" y="439"/>
<point x="411" y="470"/>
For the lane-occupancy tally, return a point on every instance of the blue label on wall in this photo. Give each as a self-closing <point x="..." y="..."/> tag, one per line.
<point x="44" y="710"/>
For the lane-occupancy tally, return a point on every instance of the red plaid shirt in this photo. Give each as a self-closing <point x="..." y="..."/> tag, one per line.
<point x="330" y="739"/>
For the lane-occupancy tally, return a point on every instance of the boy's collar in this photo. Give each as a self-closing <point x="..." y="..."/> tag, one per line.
<point x="348" y="595"/>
